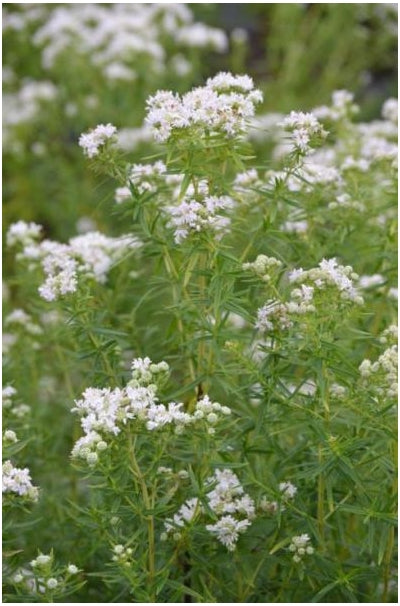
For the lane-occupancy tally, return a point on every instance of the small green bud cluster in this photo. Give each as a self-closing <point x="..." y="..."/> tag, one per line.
<point x="381" y="376"/>
<point x="43" y="575"/>
<point x="9" y="437"/>
<point x="146" y="373"/>
<point x="300" y="547"/>
<point x="263" y="267"/>
<point x="210" y="412"/>
<point x="122" y="554"/>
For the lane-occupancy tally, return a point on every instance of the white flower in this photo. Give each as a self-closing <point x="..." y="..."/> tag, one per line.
<point x="223" y="106"/>
<point x="227" y="530"/>
<point x="42" y="559"/>
<point x="18" y="481"/>
<point x="122" y="194"/>
<point x="199" y="35"/>
<point x="390" y="110"/>
<point x="10" y="436"/>
<point x="300" y="547"/>
<point x="72" y="569"/>
<point x="23" y="233"/>
<point x="287" y="489"/>
<point x="203" y="214"/>
<point x="273" y="315"/>
<point x="91" y="254"/>
<point x="304" y="127"/>
<point x="374" y="280"/>
<point x="185" y="515"/>
<point x="93" y="140"/>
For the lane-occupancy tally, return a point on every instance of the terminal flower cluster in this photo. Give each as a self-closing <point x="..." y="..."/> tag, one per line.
<point x="92" y="255"/>
<point x="381" y="376"/>
<point x="18" y="482"/>
<point x="287" y="492"/>
<point x="44" y="574"/>
<point x="104" y="412"/>
<point x="223" y="105"/>
<point x="122" y="554"/>
<point x="263" y="267"/>
<point x="308" y="296"/>
<point x="200" y="213"/>
<point x="330" y="273"/>
<point x="9" y="406"/>
<point x="227" y="500"/>
<point x="19" y="318"/>
<point x="300" y="546"/>
<point x="95" y="139"/>
<point x="306" y="131"/>
<point x="143" y="178"/>
<point x="342" y="107"/>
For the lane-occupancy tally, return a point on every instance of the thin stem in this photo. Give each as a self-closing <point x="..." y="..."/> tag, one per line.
<point x="148" y="504"/>
<point x="170" y="267"/>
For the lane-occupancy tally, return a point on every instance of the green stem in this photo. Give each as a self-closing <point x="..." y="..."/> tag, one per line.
<point x="172" y="272"/>
<point x="148" y="505"/>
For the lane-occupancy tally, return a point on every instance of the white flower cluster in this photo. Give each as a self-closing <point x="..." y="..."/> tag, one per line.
<point x="199" y="35"/>
<point x="92" y="141"/>
<point x="277" y="315"/>
<point x="145" y="372"/>
<point x="344" y="201"/>
<point x="273" y="316"/>
<point x="185" y="515"/>
<point x="338" y="392"/>
<point x="245" y="186"/>
<point x="287" y="492"/>
<point x="295" y="227"/>
<point x="342" y="107"/>
<point x="19" y="410"/>
<point x="8" y="392"/>
<point x="18" y="481"/>
<point x="116" y="39"/>
<point x="23" y="234"/>
<point x="143" y="177"/>
<point x="24" y="106"/>
<point x="92" y="255"/>
<point x="222" y="106"/>
<point x="200" y="213"/>
<point x="19" y="318"/>
<point x="300" y="546"/>
<point x="104" y="412"/>
<point x="227" y="500"/>
<point x="263" y="266"/>
<point x="305" y="130"/>
<point x="9" y="436"/>
<point x="390" y="110"/>
<point x="40" y="579"/>
<point x="389" y="335"/>
<point x="42" y="561"/>
<point x="381" y="376"/>
<point x="122" y="554"/>
<point x="330" y="273"/>
<point x="370" y="281"/>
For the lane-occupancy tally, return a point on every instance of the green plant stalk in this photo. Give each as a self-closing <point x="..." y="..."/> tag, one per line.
<point x="201" y="354"/>
<point x="172" y="272"/>
<point x="147" y="502"/>
<point x="390" y="545"/>
<point x="321" y="480"/>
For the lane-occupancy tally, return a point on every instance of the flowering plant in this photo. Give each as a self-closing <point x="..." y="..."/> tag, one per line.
<point x="223" y="371"/>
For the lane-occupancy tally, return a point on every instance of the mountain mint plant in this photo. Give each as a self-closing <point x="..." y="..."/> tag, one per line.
<point x="225" y="369"/>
